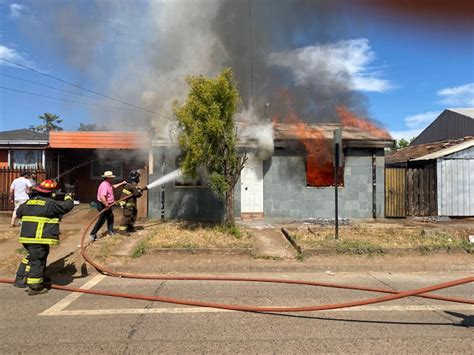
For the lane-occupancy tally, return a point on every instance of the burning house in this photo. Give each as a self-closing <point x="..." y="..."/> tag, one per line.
<point x="296" y="181"/>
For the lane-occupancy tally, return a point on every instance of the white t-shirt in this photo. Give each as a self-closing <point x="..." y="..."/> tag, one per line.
<point x="21" y="186"/>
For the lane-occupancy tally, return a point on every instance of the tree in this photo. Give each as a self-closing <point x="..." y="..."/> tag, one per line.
<point x="50" y="122"/>
<point x="401" y="143"/>
<point x="91" y="127"/>
<point x="207" y="134"/>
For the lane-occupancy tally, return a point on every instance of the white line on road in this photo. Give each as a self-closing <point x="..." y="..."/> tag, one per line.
<point x="58" y="308"/>
<point x="186" y="310"/>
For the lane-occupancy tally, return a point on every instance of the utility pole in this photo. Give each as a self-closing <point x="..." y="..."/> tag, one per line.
<point x="337" y="162"/>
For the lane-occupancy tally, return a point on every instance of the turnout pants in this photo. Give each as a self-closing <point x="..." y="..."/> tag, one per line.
<point x="33" y="265"/>
<point x="128" y="219"/>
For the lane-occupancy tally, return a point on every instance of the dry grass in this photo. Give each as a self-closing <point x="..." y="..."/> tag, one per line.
<point x="377" y="238"/>
<point x="103" y="248"/>
<point x="196" y="235"/>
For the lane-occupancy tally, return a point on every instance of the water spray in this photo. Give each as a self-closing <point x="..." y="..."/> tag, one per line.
<point x="176" y="174"/>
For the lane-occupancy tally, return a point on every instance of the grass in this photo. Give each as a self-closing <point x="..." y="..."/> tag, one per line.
<point x="352" y="247"/>
<point x="102" y="249"/>
<point x="373" y="239"/>
<point x="141" y="249"/>
<point x="186" y="235"/>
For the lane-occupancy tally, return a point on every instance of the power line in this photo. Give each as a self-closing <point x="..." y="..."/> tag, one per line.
<point x="66" y="100"/>
<point x="45" y="85"/>
<point x="83" y="88"/>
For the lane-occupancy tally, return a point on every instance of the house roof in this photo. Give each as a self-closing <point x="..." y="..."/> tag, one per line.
<point x="352" y="136"/>
<point x="23" y="137"/>
<point x="98" y="140"/>
<point x="468" y="112"/>
<point x="429" y="151"/>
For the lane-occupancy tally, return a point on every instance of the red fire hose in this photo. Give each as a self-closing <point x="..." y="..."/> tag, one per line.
<point x="393" y="295"/>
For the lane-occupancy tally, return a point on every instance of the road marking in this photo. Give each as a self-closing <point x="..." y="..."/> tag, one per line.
<point x="187" y="310"/>
<point x="58" y="308"/>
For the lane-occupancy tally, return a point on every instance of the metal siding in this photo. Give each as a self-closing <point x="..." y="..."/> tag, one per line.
<point x="465" y="153"/>
<point x="455" y="187"/>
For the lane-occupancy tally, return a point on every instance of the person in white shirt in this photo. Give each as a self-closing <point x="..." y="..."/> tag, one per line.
<point x="19" y="190"/>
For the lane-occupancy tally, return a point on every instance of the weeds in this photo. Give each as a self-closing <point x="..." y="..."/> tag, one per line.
<point x="353" y="247"/>
<point x="141" y="248"/>
<point x="231" y="229"/>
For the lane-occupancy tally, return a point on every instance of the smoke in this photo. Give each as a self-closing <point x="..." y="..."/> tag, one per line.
<point x="256" y="132"/>
<point x="141" y="52"/>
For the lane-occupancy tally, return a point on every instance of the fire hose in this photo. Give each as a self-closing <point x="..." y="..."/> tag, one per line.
<point x="392" y="294"/>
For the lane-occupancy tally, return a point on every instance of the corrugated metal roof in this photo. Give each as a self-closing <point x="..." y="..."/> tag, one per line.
<point x="98" y="140"/>
<point x="447" y="151"/>
<point x="416" y="152"/>
<point x="469" y="112"/>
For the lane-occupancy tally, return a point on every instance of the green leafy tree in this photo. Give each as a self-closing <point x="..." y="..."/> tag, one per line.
<point x="91" y="127"/>
<point x="50" y="123"/>
<point x="401" y="143"/>
<point x="207" y="134"/>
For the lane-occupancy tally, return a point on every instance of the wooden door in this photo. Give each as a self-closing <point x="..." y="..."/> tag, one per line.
<point x="395" y="192"/>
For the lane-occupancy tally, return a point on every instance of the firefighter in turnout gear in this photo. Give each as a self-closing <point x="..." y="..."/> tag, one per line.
<point x="39" y="229"/>
<point x="130" y="205"/>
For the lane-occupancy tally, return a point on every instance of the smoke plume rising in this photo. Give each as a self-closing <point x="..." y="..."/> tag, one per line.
<point x="141" y="52"/>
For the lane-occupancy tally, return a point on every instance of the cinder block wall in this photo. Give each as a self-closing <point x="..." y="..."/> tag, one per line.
<point x="180" y="202"/>
<point x="287" y="196"/>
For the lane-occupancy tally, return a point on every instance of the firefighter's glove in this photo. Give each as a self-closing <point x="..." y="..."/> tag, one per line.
<point x="144" y="188"/>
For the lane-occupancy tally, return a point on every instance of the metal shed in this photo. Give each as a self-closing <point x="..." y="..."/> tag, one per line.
<point x="431" y="179"/>
<point x="455" y="179"/>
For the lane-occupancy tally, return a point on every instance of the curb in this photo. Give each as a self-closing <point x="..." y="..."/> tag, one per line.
<point x="388" y="251"/>
<point x="201" y="251"/>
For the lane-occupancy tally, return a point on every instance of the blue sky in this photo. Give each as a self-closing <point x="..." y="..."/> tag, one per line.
<point x="410" y="72"/>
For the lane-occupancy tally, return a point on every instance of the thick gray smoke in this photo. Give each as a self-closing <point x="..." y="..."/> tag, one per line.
<point x="142" y="51"/>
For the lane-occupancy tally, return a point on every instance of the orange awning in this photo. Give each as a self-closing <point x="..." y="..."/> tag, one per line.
<point x="98" y="140"/>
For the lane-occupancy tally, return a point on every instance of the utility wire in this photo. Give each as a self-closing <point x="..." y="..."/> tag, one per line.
<point x="45" y="85"/>
<point x="83" y="88"/>
<point x="66" y="100"/>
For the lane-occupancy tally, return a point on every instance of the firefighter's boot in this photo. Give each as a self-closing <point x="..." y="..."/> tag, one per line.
<point x="33" y="291"/>
<point x="20" y="282"/>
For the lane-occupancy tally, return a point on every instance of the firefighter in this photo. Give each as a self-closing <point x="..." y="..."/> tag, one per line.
<point x="130" y="205"/>
<point x="39" y="229"/>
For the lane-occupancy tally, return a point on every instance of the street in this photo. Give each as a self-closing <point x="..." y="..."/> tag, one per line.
<point x="61" y="322"/>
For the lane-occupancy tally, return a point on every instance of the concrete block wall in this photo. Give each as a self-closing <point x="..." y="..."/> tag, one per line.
<point x="287" y="196"/>
<point x="180" y="202"/>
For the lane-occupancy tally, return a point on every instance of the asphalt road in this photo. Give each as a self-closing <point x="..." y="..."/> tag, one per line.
<point x="61" y="322"/>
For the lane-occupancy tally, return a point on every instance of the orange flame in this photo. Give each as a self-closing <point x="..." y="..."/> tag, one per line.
<point x="351" y="120"/>
<point x="319" y="161"/>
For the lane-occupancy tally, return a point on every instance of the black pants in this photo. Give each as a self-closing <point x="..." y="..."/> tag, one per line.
<point x="129" y="218"/>
<point x="108" y="216"/>
<point x="33" y="266"/>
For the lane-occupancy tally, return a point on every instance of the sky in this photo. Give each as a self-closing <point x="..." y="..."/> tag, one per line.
<point x="408" y="68"/>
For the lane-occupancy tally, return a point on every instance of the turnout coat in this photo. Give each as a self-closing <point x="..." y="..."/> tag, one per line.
<point x="40" y="219"/>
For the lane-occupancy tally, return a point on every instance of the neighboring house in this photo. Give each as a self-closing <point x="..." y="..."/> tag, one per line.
<point x="432" y="179"/>
<point x="23" y="149"/>
<point x="79" y="159"/>
<point x="451" y="124"/>
<point x="290" y="184"/>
